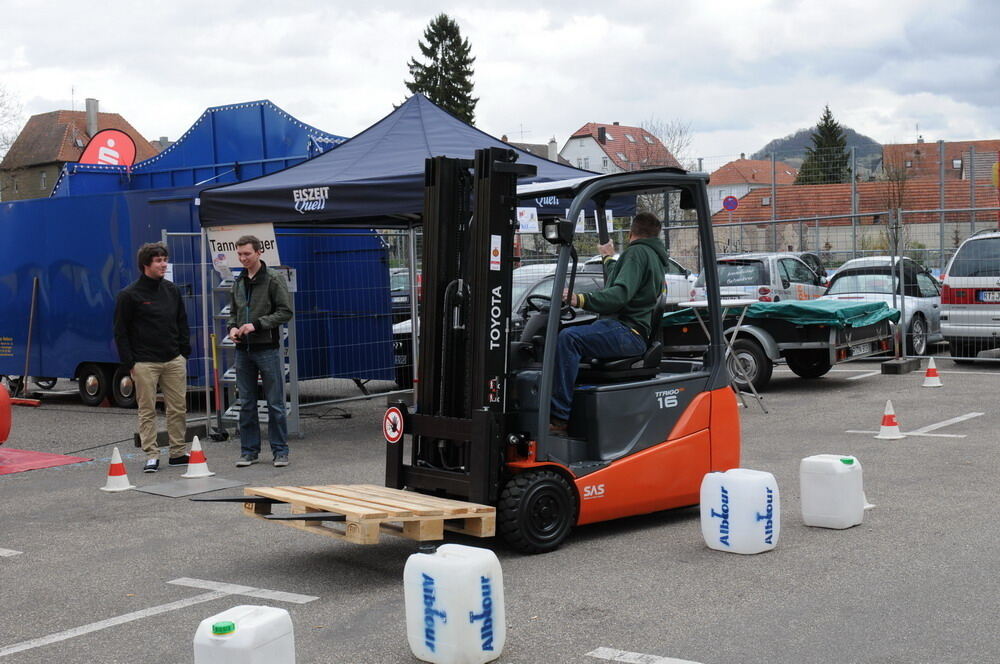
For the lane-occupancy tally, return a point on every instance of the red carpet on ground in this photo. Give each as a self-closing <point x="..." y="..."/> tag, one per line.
<point x="18" y="461"/>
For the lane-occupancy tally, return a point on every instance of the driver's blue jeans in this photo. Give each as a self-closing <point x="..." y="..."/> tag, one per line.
<point x="602" y="339"/>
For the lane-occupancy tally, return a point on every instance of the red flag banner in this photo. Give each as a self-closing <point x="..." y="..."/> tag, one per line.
<point x="109" y="147"/>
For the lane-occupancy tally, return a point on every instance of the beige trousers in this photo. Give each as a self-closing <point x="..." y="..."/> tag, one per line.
<point x="172" y="380"/>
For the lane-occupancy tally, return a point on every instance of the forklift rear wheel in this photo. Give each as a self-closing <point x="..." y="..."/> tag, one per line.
<point x="537" y="509"/>
<point x="123" y="388"/>
<point x="94" y="384"/>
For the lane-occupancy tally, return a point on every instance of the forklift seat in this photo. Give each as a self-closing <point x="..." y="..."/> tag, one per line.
<point x="637" y="367"/>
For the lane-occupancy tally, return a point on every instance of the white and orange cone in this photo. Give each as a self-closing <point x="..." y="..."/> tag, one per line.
<point x="197" y="465"/>
<point x="117" y="477"/>
<point x="890" y="427"/>
<point x="931" y="378"/>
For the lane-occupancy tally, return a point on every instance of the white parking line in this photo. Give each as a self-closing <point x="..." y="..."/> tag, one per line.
<point x="954" y="420"/>
<point x="613" y="655"/>
<point x="219" y="590"/>
<point x="7" y="553"/>
<point x="866" y="375"/>
<point x="925" y="431"/>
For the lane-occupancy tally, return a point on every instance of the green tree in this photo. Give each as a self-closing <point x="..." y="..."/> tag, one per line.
<point x="446" y="76"/>
<point x="826" y="161"/>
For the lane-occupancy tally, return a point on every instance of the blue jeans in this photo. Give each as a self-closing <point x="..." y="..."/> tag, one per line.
<point x="603" y="339"/>
<point x="267" y="363"/>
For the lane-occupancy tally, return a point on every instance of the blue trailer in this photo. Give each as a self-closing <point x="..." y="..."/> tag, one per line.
<point x="79" y="247"/>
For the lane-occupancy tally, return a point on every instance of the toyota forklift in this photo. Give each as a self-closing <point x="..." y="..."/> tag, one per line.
<point x="643" y="430"/>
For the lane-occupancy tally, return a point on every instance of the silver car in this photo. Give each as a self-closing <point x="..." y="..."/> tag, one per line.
<point x="768" y="277"/>
<point x="876" y="279"/>
<point x="970" y="298"/>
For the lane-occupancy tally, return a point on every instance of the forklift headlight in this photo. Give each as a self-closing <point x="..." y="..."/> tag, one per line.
<point x="557" y="231"/>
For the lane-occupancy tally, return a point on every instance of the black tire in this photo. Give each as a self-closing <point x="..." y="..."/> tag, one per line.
<point x="962" y="351"/>
<point x="94" y="384"/>
<point x="537" y="510"/>
<point x="916" y="336"/>
<point x="45" y="383"/>
<point x="756" y="365"/>
<point x="809" y="363"/>
<point x="123" y="388"/>
<point x="14" y="384"/>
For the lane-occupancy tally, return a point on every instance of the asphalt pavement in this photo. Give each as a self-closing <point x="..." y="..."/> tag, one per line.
<point x="86" y="575"/>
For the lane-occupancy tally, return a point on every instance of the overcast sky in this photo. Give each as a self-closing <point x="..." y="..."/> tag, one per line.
<point x="741" y="73"/>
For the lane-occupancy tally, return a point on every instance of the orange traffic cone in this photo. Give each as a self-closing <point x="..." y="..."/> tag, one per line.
<point x="931" y="378"/>
<point x="197" y="466"/>
<point x="890" y="427"/>
<point x="117" y="477"/>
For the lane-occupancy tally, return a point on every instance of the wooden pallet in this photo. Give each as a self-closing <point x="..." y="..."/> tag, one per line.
<point x="369" y="510"/>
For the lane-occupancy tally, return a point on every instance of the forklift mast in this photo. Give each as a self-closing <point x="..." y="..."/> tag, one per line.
<point x="460" y="422"/>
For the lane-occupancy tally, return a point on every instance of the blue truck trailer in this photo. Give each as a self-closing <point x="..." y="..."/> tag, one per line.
<point x="64" y="259"/>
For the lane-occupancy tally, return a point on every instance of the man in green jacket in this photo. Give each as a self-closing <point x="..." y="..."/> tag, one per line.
<point x="259" y="305"/>
<point x="633" y="284"/>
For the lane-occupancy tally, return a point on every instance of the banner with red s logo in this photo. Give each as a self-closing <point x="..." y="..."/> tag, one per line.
<point x="109" y="147"/>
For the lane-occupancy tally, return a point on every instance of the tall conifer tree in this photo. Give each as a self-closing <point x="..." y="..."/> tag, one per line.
<point x="446" y="76"/>
<point x="826" y="161"/>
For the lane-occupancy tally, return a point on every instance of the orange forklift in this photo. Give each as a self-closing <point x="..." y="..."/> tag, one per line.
<point x="643" y="430"/>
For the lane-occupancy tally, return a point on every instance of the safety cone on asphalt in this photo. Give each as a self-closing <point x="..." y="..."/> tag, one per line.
<point x="197" y="466"/>
<point x="931" y="378"/>
<point x="117" y="477"/>
<point x="890" y="427"/>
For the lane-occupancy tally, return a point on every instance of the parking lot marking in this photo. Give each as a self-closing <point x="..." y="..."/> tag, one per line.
<point x="613" y="655"/>
<point x="217" y="591"/>
<point x="925" y="431"/>
<point x="865" y="375"/>
<point x="249" y="591"/>
<point x="110" y="622"/>
<point x="954" y="420"/>
<point x="7" y="553"/>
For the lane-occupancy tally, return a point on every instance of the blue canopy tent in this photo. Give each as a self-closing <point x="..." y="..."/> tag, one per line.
<point x="375" y="179"/>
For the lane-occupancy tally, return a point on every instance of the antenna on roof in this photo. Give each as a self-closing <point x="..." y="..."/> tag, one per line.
<point x="72" y="98"/>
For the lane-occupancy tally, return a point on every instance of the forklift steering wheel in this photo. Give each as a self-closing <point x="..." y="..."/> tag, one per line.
<point x="544" y="303"/>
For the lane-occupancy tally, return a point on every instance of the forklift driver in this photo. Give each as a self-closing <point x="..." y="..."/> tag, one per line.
<point x="625" y="306"/>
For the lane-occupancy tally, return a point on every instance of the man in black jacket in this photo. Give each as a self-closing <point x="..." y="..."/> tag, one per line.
<point x="151" y="332"/>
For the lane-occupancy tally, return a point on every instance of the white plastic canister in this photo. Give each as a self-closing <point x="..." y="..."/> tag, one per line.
<point x="454" y="605"/>
<point x="246" y="635"/>
<point x="833" y="494"/>
<point x="740" y="511"/>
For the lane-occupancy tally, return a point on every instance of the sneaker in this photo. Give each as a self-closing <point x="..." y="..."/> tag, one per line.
<point x="179" y="461"/>
<point x="152" y="465"/>
<point x="281" y="460"/>
<point x="246" y="460"/>
<point x="558" y="425"/>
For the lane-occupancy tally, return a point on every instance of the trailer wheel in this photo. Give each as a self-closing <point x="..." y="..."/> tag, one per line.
<point x="123" y="388"/>
<point x="756" y="366"/>
<point x="809" y="363"/>
<point x="94" y="384"/>
<point x="45" y="383"/>
<point x="537" y="509"/>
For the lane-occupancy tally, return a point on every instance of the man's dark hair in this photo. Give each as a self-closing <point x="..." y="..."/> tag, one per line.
<point x="645" y="224"/>
<point x="149" y="251"/>
<point x="249" y="239"/>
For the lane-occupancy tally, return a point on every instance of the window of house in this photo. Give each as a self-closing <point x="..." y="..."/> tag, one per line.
<point x="630" y="137"/>
<point x="579" y="162"/>
<point x="582" y="142"/>
<point x="610" y="137"/>
<point x="909" y="164"/>
<point x="604" y="162"/>
<point x="956" y="164"/>
<point x="648" y="139"/>
<point x="15" y="185"/>
<point x="621" y="156"/>
<point x="43" y="180"/>
<point x="765" y="201"/>
<point x="586" y="162"/>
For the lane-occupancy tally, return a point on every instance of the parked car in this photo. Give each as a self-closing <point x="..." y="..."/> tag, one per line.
<point x="399" y="290"/>
<point x="677" y="279"/>
<point x="814" y="262"/>
<point x="527" y="280"/>
<point x="876" y="278"/>
<point x="970" y="296"/>
<point x="768" y="277"/>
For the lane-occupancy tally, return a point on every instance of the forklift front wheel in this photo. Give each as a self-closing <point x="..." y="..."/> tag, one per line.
<point x="537" y="509"/>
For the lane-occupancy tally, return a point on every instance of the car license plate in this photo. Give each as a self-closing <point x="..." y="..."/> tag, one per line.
<point x="399" y="300"/>
<point x="861" y="349"/>
<point x="989" y="296"/>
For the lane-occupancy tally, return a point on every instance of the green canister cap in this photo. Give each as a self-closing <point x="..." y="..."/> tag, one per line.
<point x="224" y="627"/>
<point x="847" y="461"/>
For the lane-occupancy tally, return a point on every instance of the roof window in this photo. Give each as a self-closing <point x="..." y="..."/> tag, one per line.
<point x="621" y="156"/>
<point x="648" y="139"/>
<point x="630" y="137"/>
